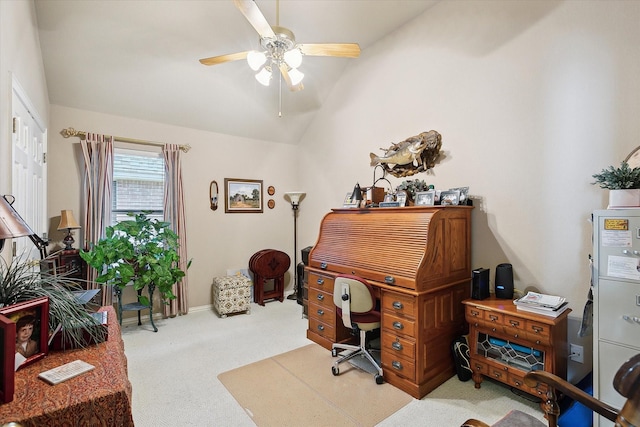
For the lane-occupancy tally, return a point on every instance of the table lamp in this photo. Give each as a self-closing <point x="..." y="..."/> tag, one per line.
<point x="68" y="222"/>
<point x="294" y="197"/>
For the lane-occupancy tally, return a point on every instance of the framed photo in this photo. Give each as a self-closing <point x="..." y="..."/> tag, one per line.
<point x="349" y="202"/>
<point x="32" y="330"/>
<point x="401" y="198"/>
<point x="464" y="194"/>
<point x="426" y="198"/>
<point x="450" y="197"/>
<point x="7" y="358"/>
<point x="243" y="195"/>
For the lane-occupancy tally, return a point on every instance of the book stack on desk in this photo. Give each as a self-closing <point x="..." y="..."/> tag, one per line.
<point x="547" y="305"/>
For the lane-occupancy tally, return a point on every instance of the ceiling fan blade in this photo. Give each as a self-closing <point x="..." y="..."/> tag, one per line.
<point x="250" y="10"/>
<point x="214" y="60"/>
<point x="347" y="50"/>
<point x="285" y="74"/>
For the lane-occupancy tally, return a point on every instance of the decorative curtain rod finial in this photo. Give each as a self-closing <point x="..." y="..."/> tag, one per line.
<point x="69" y="132"/>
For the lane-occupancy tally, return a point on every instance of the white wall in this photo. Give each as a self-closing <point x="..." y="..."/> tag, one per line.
<point x="531" y="99"/>
<point x="216" y="240"/>
<point x="20" y="59"/>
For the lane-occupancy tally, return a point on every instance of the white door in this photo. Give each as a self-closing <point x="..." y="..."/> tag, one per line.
<point x="29" y="169"/>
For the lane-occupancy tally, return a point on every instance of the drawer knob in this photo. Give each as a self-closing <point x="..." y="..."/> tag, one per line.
<point x="398" y="305"/>
<point x="536" y="329"/>
<point x="323" y="265"/>
<point x="515" y="323"/>
<point x="398" y="325"/>
<point x="518" y="383"/>
<point x="389" y="280"/>
<point x="396" y="365"/>
<point x="493" y="318"/>
<point x="321" y="312"/>
<point x="396" y="346"/>
<point x="320" y="281"/>
<point x="321" y="327"/>
<point x="320" y="297"/>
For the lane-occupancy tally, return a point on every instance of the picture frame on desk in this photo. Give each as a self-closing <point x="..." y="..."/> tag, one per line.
<point x="349" y="202"/>
<point x="31" y="320"/>
<point x="7" y="358"/>
<point x="426" y="198"/>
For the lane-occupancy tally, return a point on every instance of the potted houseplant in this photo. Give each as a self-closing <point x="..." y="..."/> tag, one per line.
<point x="623" y="184"/>
<point x="20" y="282"/>
<point x="142" y="252"/>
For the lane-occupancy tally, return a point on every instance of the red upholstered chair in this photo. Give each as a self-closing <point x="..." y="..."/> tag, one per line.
<point x="356" y="305"/>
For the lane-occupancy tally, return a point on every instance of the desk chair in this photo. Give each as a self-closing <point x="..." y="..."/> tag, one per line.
<point x="356" y="305"/>
<point x="626" y="382"/>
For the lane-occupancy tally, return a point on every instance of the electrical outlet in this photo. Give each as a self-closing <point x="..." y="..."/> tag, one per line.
<point x="576" y="353"/>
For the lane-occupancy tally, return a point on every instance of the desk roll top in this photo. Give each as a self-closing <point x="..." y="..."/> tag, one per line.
<point x="414" y="248"/>
<point x="419" y="261"/>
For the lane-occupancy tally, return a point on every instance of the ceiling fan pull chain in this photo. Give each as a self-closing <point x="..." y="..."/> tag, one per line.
<point x="280" y="96"/>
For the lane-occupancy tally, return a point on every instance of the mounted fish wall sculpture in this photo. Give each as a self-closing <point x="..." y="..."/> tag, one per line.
<point x="413" y="155"/>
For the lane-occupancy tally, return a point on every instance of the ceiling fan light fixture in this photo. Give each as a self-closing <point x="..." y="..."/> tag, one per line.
<point x="293" y="58"/>
<point x="296" y="76"/>
<point x="264" y="76"/>
<point x="256" y="59"/>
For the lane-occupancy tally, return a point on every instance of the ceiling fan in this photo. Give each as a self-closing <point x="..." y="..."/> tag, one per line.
<point x="280" y="49"/>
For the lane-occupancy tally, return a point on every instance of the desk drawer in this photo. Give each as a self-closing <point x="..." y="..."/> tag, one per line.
<point x="400" y="304"/>
<point x="321" y="282"/>
<point x="398" y="365"/>
<point x="399" y="325"/>
<point x="323" y="314"/>
<point x="398" y="345"/>
<point x="323" y="329"/>
<point x="321" y="298"/>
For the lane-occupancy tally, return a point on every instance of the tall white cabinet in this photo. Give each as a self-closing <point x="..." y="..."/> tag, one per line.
<point x="616" y="304"/>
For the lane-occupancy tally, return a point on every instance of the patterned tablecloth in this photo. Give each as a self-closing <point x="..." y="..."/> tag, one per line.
<point x="100" y="397"/>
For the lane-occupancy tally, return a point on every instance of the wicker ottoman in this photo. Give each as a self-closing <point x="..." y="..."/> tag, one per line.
<point x="231" y="294"/>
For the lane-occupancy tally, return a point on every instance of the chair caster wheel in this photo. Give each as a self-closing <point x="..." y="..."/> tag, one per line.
<point x="379" y="379"/>
<point x="334" y="352"/>
<point x="335" y="371"/>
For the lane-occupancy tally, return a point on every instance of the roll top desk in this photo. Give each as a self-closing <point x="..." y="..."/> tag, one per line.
<point x="418" y="259"/>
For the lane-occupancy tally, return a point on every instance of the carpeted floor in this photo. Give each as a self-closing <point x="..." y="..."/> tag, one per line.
<point x="174" y="373"/>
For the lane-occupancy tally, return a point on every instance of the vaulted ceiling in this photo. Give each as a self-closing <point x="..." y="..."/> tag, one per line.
<point x="139" y="59"/>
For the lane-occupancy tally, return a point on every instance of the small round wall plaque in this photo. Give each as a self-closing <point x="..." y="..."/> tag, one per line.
<point x="271" y="203"/>
<point x="271" y="190"/>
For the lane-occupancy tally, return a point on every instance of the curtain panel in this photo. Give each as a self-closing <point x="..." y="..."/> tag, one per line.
<point x="174" y="213"/>
<point x="97" y="151"/>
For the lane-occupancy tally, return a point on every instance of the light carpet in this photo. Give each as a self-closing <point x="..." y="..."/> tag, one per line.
<point x="297" y="388"/>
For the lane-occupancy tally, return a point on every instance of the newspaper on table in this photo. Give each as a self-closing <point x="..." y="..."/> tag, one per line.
<point x="541" y="300"/>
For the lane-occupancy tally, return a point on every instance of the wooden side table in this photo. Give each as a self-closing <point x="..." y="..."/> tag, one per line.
<point x="269" y="264"/>
<point x="505" y="343"/>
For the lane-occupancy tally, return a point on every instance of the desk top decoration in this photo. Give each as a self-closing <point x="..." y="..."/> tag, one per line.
<point x="100" y="397"/>
<point x="415" y="154"/>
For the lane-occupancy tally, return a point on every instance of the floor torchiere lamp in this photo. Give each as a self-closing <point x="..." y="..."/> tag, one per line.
<point x="294" y="197"/>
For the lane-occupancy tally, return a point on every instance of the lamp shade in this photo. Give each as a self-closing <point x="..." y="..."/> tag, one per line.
<point x="296" y="76"/>
<point x="293" y="58"/>
<point x="256" y="59"/>
<point x="67" y="221"/>
<point x="264" y="76"/>
<point x="11" y="224"/>
<point x="295" y="196"/>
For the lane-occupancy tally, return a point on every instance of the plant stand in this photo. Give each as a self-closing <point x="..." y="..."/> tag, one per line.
<point x="136" y="306"/>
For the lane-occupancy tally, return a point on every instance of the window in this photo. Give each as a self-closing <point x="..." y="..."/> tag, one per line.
<point x="138" y="184"/>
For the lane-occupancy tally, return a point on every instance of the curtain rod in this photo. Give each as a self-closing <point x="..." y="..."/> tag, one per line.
<point x="69" y="132"/>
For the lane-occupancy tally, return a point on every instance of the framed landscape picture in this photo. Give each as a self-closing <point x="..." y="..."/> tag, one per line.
<point x="242" y="195"/>
<point x="31" y="320"/>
